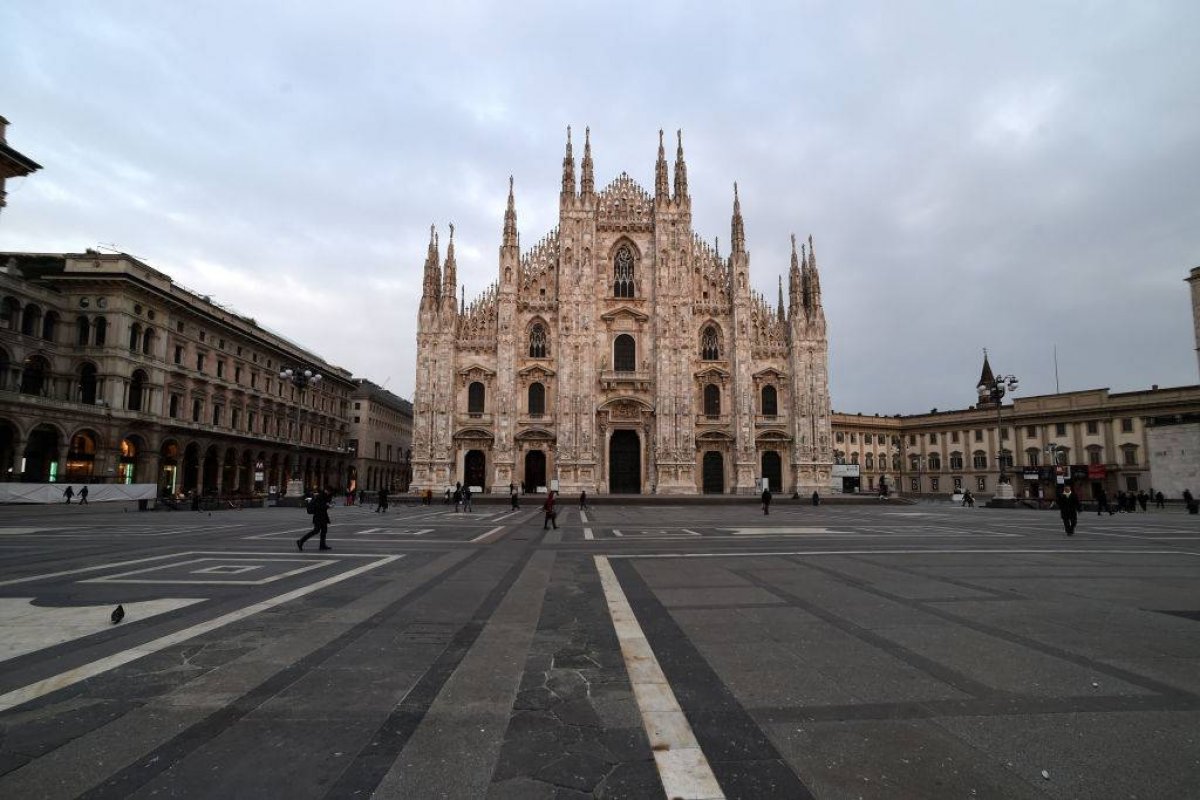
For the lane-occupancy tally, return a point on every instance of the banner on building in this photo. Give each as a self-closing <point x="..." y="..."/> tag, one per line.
<point x="1097" y="472"/>
<point x="845" y="471"/>
<point x="97" y="492"/>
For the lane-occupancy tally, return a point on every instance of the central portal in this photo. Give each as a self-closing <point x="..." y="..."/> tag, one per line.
<point x="535" y="470"/>
<point x="625" y="463"/>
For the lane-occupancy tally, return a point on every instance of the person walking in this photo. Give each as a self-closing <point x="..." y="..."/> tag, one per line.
<point x="816" y="498"/>
<point x="513" y="497"/>
<point x="766" y="500"/>
<point x="83" y="492"/>
<point x="318" y="506"/>
<point x="68" y="493"/>
<point x="1143" y="499"/>
<point x="583" y="500"/>
<point x="457" y="498"/>
<point x="382" y="505"/>
<point x="1068" y="509"/>
<point x="467" y="499"/>
<point x="1101" y="501"/>
<point x="550" y="512"/>
<point x="1158" y="500"/>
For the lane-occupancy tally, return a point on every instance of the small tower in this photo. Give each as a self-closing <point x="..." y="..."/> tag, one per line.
<point x="681" y="182"/>
<point x="587" y="180"/>
<point x="449" y="280"/>
<point x="568" y="174"/>
<point x="662" y="185"/>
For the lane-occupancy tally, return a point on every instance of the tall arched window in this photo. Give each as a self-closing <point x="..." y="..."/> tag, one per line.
<point x="31" y="320"/>
<point x="712" y="400"/>
<point x="87" y="384"/>
<point x="101" y="330"/>
<point x="770" y="401"/>
<point x="935" y="460"/>
<point x="537" y="341"/>
<point x="624" y="353"/>
<point x="537" y="399"/>
<point x="135" y="337"/>
<point x="10" y="309"/>
<point x="50" y="326"/>
<point x="148" y="341"/>
<point x="83" y="331"/>
<point x="35" y="377"/>
<point x="710" y="344"/>
<point x="623" y="272"/>
<point x="475" y="398"/>
<point x="137" y="388"/>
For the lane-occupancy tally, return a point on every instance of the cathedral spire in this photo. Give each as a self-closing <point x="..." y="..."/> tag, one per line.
<point x="662" y="187"/>
<point x="814" y="276"/>
<point x="430" y="286"/>
<point x="510" y="218"/>
<point x="779" y="306"/>
<point x="568" y="180"/>
<point x="462" y="304"/>
<point x="738" y="230"/>
<point x="587" y="182"/>
<point x="681" y="186"/>
<point x="795" y="284"/>
<point x="450" y="273"/>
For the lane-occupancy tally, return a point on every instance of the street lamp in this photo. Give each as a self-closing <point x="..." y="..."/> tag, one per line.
<point x="301" y="379"/>
<point x="994" y="391"/>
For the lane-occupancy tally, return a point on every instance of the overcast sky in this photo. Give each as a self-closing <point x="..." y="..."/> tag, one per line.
<point x="1012" y="175"/>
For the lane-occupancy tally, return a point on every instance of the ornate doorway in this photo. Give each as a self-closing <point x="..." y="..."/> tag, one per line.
<point x="714" y="473"/>
<point x="772" y="470"/>
<point x="475" y="469"/>
<point x="625" y="463"/>
<point x="535" y="470"/>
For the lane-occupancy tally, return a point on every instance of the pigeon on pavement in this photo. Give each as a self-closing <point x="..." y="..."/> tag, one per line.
<point x="118" y="614"/>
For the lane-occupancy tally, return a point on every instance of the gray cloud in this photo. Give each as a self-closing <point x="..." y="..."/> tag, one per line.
<point x="1015" y="177"/>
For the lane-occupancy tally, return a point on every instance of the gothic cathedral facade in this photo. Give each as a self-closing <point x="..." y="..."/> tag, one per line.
<point x="621" y="354"/>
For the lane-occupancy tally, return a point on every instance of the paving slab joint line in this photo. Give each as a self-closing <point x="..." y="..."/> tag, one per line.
<point x="682" y="766"/>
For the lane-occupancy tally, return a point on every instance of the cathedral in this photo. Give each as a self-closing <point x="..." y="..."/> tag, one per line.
<point x="621" y="354"/>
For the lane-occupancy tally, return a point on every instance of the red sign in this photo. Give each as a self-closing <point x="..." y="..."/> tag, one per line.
<point x="1097" y="472"/>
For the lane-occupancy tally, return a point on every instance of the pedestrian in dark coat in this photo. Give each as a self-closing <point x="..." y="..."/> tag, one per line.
<point x="583" y="500"/>
<point x="83" y="496"/>
<point x="382" y="504"/>
<point x="766" y="500"/>
<point x="1143" y="499"/>
<point x="550" y="512"/>
<point x="1158" y="500"/>
<point x="1102" y="502"/>
<point x="816" y="499"/>
<point x="512" y="496"/>
<point x="68" y="493"/>
<point x="1131" y="502"/>
<point x="319" y="507"/>
<point x="1068" y="509"/>
<point x="1121" y="501"/>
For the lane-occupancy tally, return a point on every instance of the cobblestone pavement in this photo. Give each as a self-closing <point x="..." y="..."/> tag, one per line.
<point x="682" y="650"/>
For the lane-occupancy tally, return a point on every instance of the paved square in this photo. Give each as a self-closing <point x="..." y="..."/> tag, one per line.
<point x="876" y="651"/>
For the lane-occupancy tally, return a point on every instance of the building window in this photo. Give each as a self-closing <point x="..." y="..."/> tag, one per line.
<point x="235" y="418"/>
<point x="933" y="484"/>
<point x="178" y="354"/>
<point x="202" y="336"/>
<point x="870" y="461"/>
<point x="866" y="438"/>
<point x="933" y="438"/>
<point x="216" y="415"/>
<point x="916" y="485"/>
<point x="1092" y="427"/>
<point x="1127" y="425"/>
<point x="1094" y="455"/>
<point x="357" y="406"/>
<point x="712" y="400"/>
<point x="957" y="483"/>
<point x="841" y="437"/>
<point x="980" y="483"/>
<point x="710" y="344"/>
<point x="770" y="401"/>
<point x="1006" y="459"/>
<point x="1060" y="429"/>
<point x="956" y="460"/>
<point x="537" y="341"/>
<point x="220" y="368"/>
<point x="954" y="437"/>
<point x="935" y="461"/>
<point x="135" y="337"/>
<point x="1004" y="434"/>
<point x="979" y="436"/>
<point x="200" y="362"/>
<point x="237" y="374"/>
<point x="624" y="353"/>
<point x="101" y="330"/>
<point x="475" y="398"/>
<point x="1130" y="456"/>
<point x="912" y="439"/>
<point x="197" y="407"/>
<point x="537" y="399"/>
<point x="137" y="390"/>
<point x="83" y="330"/>
<point x="1131" y="483"/>
<point x="1031" y="457"/>
<point x="979" y="459"/>
<point x="251" y="419"/>
<point x="357" y="420"/>
<point x="623" y="273"/>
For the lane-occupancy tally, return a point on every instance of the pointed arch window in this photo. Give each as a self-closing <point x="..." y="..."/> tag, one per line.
<point x="87" y="384"/>
<point x="712" y="400"/>
<point x="83" y="331"/>
<point x="710" y="344"/>
<point x="623" y="272"/>
<point x="770" y="401"/>
<point x="101" y="330"/>
<point x="135" y="337"/>
<point x="537" y="342"/>
<point x="475" y="398"/>
<point x="137" y="391"/>
<point x="537" y="399"/>
<point x="624" y="353"/>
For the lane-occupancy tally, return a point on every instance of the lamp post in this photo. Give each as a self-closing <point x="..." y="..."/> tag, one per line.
<point x="301" y="379"/>
<point x="994" y="391"/>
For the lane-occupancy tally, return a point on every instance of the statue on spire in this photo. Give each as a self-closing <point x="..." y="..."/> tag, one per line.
<point x="587" y="181"/>
<point x="568" y="176"/>
<point x="681" y="183"/>
<point x="662" y="188"/>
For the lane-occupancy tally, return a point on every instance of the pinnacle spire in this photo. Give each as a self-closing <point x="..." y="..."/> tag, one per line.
<point x="738" y="230"/>
<point x="587" y="181"/>
<point x="568" y="178"/>
<point x="779" y="307"/>
<point x="986" y="377"/>
<point x="681" y="183"/>
<point x="450" y="270"/>
<point x="510" y="218"/>
<point x="662" y="188"/>
<point x="431" y="283"/>
<point x="462" y="304"/>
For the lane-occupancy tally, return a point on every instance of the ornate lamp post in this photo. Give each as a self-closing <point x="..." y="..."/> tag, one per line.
<point x="994" y="391"/>
<point x="301" y="379"/>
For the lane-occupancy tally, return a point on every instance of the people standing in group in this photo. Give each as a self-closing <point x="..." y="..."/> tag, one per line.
<point x="382" y="504"/>
<point x="550" y="512"/>
<point x="1143" y="499"/>
<point x="968" y="500"/>
<point x="467" y="499"/>
<point x="1068" y="509"/>
<point x="68" y="493"/>
<point x="1131" y="501"/>
<point x="457" y="497"/>
<point x="318" y="506"/>
<point x="83" y="493"/>
<point x="1158" y="500"/>
<point x="766" y="499"/>
<point x="1121" y="501"/>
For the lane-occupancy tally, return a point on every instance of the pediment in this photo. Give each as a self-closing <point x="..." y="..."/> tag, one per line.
<point x="772" y="436"/>
<point x="536" y="369"/>
<point x="714" y="436"/>
<point x="770" y="372"/>
<point x="476" y="369"/>
<point x="624" y="311"/>
<point x="713" y="372"/>
<point x="534" y="434"/>
<point x="474" y="433"/>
